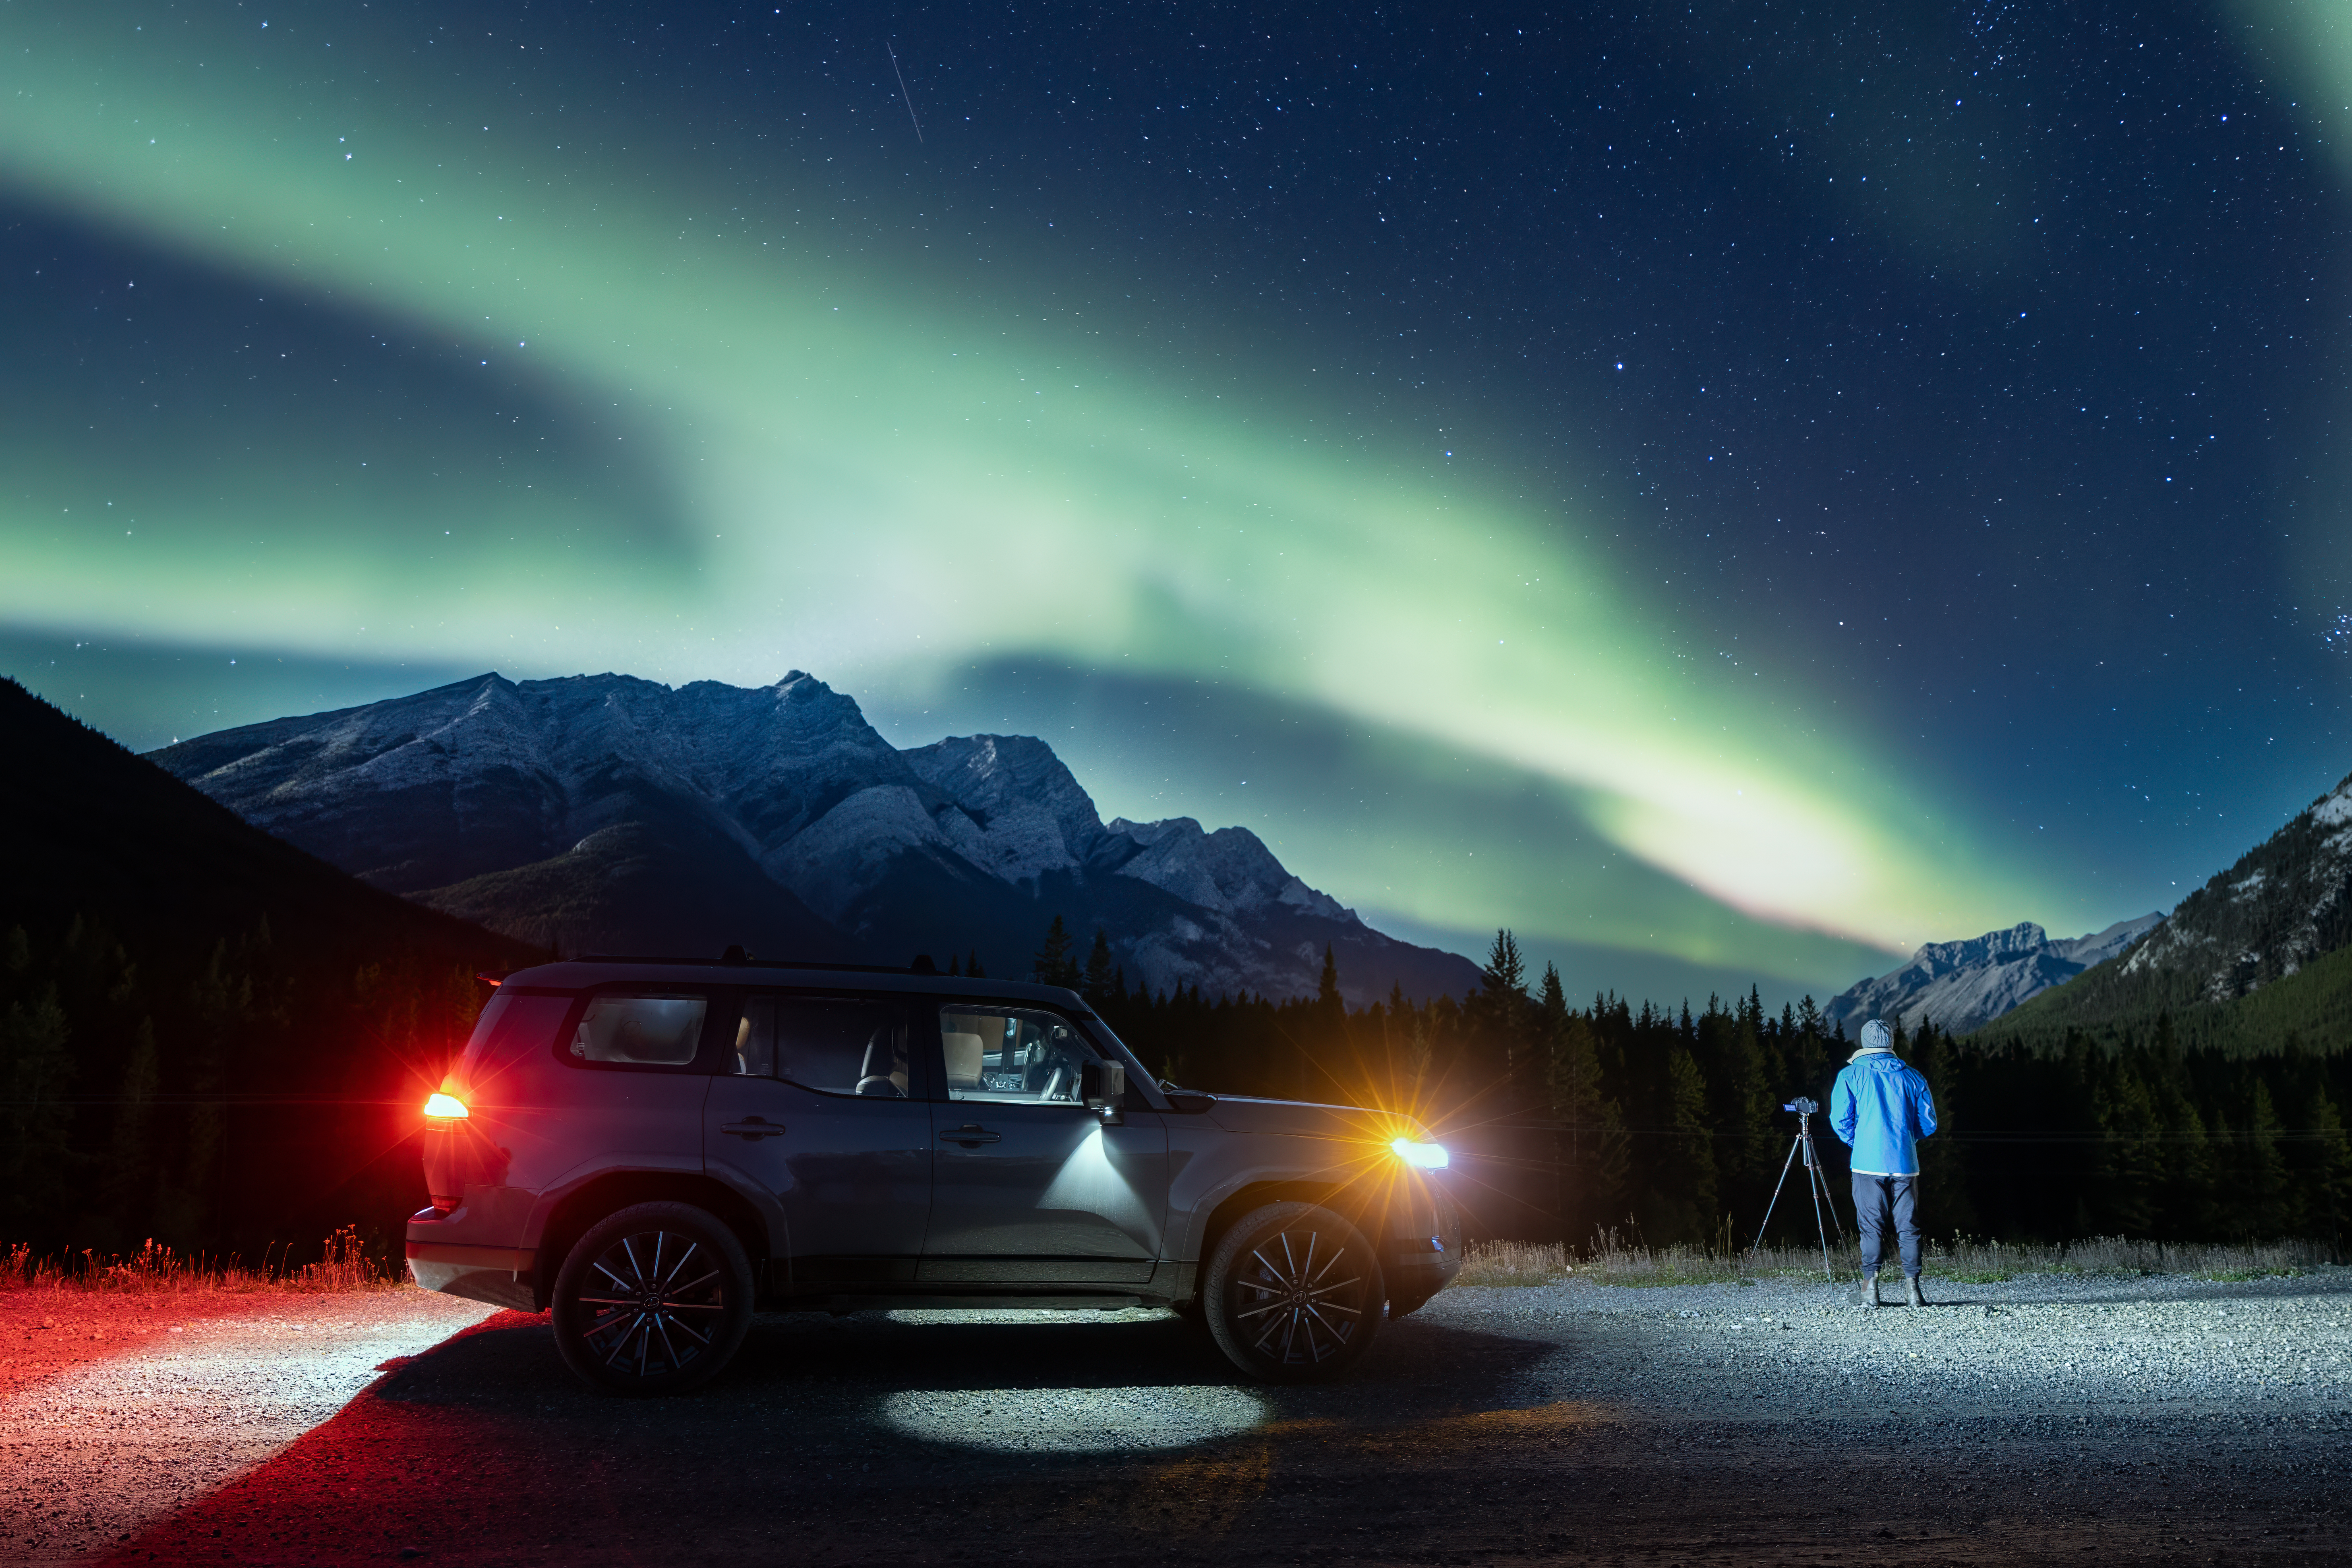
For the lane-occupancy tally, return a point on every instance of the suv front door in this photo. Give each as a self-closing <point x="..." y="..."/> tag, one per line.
<point x="1029" y="1186"/>
<point x="817" y="1110"/>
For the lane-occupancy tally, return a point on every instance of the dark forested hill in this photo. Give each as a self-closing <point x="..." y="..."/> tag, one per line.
<point x="207" y="1036"/>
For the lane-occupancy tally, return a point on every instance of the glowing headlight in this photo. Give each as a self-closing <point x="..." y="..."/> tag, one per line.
<point x="1428" y="1156"/>
<point x="449" y="1105"/>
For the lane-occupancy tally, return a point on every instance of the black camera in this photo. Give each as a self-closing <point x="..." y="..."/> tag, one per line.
<point x="1803" y="1106"/>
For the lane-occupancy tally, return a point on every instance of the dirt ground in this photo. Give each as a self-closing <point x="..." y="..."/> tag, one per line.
<point x="1496" y="1432"/>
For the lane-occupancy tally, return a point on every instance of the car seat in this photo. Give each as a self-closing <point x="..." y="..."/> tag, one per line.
<point x="964" y="1053"/>
<point x="885" y="1071"/>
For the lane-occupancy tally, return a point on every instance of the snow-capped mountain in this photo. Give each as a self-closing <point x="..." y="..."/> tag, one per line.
<point x="612" y="813"/>
<point x="1963" y="986"/>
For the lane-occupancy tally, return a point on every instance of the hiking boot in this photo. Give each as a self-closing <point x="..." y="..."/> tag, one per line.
<point x="1912" y="1285"/>
<point x="1870" y="1290"/>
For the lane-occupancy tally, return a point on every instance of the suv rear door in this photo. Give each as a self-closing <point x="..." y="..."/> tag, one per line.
<point x="1029" y="1186"/>
<point x="820" y="1108"/>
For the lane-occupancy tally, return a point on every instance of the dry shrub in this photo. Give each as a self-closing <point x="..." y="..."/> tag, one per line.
<point x="154" y="1270"/>
<point x="1513" y="1263"/>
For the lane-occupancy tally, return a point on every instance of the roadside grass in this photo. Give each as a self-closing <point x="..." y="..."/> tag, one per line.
<point x="343" y="1264"/>
<point x="1612" y="1260"/>
<point x="1515" y="1263"/>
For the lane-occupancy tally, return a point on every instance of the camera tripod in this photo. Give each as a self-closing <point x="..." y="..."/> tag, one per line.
<point x="1817" y="1183"/>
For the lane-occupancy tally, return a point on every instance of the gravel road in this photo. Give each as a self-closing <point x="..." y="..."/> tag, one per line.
<point x="2156" y="1420"/>
<point x="2037" y="1350"/>
<point x="115" y="1410"/>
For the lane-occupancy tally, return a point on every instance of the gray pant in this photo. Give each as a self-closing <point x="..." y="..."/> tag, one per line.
<point x="1877" y="1200"/>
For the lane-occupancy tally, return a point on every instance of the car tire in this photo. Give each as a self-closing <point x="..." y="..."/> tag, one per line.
<point x="655" y="1299"/>
<point x="1293" y="1294"/>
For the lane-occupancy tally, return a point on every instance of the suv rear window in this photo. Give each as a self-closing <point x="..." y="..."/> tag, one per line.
<point x="665" y="1031"/>
<point x="513" y="1025"/>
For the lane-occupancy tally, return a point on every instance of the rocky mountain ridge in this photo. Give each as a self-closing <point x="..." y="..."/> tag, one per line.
<point x="605" y="811"/>
<point x="1961" y="986"/>
<point x="2257" y="960"/>
<point x="2285" y="903"/>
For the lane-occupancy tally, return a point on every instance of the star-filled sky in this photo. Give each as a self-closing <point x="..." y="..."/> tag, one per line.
<point x="1729" y="492"/>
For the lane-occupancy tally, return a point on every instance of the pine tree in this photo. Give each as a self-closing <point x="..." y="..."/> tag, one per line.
<point x="2270" y="1209"/>
<point x="2327" y="1178"/>
<point x="1054" y="965"/>
<point x="223" y="1012"/>
<point x="1095" y="984"/>
<point x="35" y="1116"/>
<point x="971" y="969"/>
<point x="1506" y="974"/>
<point x="1751" y="1148"/>
<point x="2131" y="1165"/>
<point x="1944" y="1191"/>
<point x="1509" y="1069"/>
<point x="1589" y="1148"/>
<point x="1686" y="1183"/>
<point x="130" y="1181"/>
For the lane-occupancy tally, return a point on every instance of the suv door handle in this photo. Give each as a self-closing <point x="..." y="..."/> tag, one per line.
<point x="754" y="1130"/>
<point x="971" y="1136"/>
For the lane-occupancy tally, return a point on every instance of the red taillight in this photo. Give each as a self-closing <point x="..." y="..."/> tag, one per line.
<point x="445" y="1107"/>
<point x="443" y="1203"/>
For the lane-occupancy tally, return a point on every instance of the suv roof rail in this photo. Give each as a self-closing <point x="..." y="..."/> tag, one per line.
<point x="735" y="958"/>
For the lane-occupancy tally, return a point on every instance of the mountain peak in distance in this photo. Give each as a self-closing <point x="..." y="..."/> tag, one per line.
<point x="610" y="813"/>
<point x="1961" y="986"/>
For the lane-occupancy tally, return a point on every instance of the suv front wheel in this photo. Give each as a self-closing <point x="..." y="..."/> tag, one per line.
<point x="654" y="1300"/>
<point x="1292" y="1293"/>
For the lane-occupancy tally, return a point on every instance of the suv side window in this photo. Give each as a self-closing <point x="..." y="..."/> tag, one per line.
<point x="832" y="1044"/>
<point x="1010" y="1056"/>
<point x="644" y="1031"/>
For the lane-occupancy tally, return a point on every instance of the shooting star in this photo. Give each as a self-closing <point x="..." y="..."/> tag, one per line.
<point x="902" y="89"/>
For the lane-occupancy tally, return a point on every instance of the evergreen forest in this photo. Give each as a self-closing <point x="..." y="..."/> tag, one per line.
<point x="1666" y="1125"/>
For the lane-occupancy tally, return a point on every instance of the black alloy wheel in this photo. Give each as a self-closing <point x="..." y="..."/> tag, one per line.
<point x="1292" y="1293"/>
<point x="653" y="1300"/>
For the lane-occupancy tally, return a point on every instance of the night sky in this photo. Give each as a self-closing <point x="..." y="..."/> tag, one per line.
<point x="1730" y="492"/>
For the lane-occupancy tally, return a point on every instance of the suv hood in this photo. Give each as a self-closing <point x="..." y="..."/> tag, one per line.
<point x="1235" y="1113"/>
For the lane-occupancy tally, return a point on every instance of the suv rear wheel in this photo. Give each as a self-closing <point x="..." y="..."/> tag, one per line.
<point x="654" y="1300"/>
<point x="1292" y="1293"/>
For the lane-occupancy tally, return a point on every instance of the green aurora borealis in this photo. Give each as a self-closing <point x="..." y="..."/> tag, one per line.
<point x="787" y="450"/>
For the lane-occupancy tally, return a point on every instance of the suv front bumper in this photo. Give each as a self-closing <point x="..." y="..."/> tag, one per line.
<point x="1425" y="1246"/>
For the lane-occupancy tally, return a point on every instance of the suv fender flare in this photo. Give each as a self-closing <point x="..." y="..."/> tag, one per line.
<point x="1363" y="1211"/>
<point x="566" y="1214"/>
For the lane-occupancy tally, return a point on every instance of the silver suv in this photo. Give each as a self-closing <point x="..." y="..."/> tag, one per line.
<point x="656" y="1149"/>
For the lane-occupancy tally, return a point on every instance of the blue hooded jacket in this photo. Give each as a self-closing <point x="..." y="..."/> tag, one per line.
<point x="1880" y="1108"/>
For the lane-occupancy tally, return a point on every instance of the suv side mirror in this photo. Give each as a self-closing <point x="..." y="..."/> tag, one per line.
<point x="1102" y="1085"/>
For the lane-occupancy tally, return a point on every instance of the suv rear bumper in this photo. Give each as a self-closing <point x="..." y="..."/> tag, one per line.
<point x="497" y="1276"/>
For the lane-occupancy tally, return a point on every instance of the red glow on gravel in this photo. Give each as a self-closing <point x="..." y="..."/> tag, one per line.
<point x="345" y="1490"/>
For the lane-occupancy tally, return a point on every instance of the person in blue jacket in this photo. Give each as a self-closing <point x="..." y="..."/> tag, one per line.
<point x="1880" y="1109"/>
